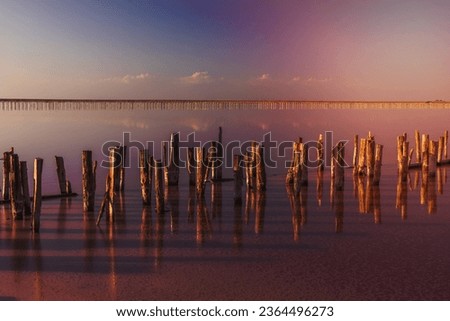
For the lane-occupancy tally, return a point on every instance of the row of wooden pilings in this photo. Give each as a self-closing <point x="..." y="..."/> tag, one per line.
<point x="15" y="189"/>
<point x="202" y="166"/>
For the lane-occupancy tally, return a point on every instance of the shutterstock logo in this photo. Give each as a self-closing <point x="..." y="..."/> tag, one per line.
<point x="277" y="154"/>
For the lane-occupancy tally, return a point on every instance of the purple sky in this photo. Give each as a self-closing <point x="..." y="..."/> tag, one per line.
<point x="233" y="49"/>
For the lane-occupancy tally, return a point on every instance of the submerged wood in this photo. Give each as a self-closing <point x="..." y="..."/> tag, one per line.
<point x="290" y="172"/>
<point x="339" y="163"/>
<point x="248" y="170"/>
<point x="362" y="157"/>
<point x="432" y="154"/>
<point x="440" y="151"/>
<point x="123" y="157"/>
<point x="200" y="172"/>
<point x="37" y="193"/>
<point x="61" y="172"/>
<point x="106" y="199"/>
<point x="370" y="156"/>
<point x="320" y="154"/>
<point x="25" y="188"/>
<point x="445" y="143"/>
<point x="403" y="165"/>
<point x="114" y="175"/>
<point x="425" y="152"/>
<point x="260" y="169"/>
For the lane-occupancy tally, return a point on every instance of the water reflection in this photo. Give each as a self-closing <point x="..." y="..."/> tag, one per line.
<point x="368" y="195"/>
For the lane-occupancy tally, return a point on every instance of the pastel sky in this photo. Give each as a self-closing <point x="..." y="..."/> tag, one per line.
<point x="225" y="49"/>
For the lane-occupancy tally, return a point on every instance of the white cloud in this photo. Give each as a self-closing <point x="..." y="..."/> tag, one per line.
<point x="264" y="77"/>
<point x="127" y="78"/>
<point x="198" y="77"/>
<point x="297" y="78"/>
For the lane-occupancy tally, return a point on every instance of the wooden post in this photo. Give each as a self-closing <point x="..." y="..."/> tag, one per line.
<point x="15" y="183"/>
<point x="212" y="160"/>
<point x="159" y="187"/>
<point x="403" y="165"/>
<point x="6" y="170"/>
<point x="37" y="194"/>
<point x="400" y="141"/>
<point x="320" y="154"/>
<point x="200" y="172"/>
<point x="25" y="188"/>
<point x="378" y="162"/>
<point x="290" y="173"/>
<point x="145" y="176"/>
<point x="425" y="149"/>
<point x="114" y="175"/>
<point x="418" y="147"/>
<point x="304" y="164"/>
<point x="445" y="143"/>
<point x="260" y="169"/>
<point x="339" y="166"/>
<point x="106" y="200"/>
<point x="61" y="171"/>
<point x="238" y="179"/>
<point x="440" y="152"/>
<point x="355" y="155"/>
<point x="432" y="154"/>
<point x="370" y="154"/>
<point x="88" y="171"/>
<point x="191" y="165"/>
<point x="172" y="171"/>
<point x="248" y="170"/>
<point x="362" y="157"/>
<point x="296" y="167"/>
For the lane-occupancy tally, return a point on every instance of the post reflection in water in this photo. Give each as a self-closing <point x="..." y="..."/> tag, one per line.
<point x="432" y="197"/>
<point x="298" y="203"/>
<point x="191" y="204"/>
<point x="339" y="210"/>
<point x="428" y="195"/>
<point x="146" y="229"/>
<point x="89" y="230"/>
<point x="401" y="199"/>
<point x="238" y="229"/>
<point x="203" y="222"/>
<point x="159" y="235"/>
<point x="260" y="210"/>
<point x="38" y="295"/>
<point x="319" y="187"/>
<point x="173" y="199"/>
<point x="369" y="196"/>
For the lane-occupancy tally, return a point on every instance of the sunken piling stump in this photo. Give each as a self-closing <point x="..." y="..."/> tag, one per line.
<point x="238" y="179"/>
<point x="403" y="165"/>
<point x="248" y="170"/>
<point x="159" y="186"/>
<point x="290" y="173"/>
<point x="191" y="165"/>
<point x="114" y="177"/>
<point x="25" y="188"/>
<point x="145" y="172"/>
<point x="445" y="143"/>
<point x="37" y="195"/>
<point x="106" y="200"/>
<point x="15" y="183"/>
<point x="212" y="160"/>
<point x="88" y="180"/>
<point x="440" y="151"/>
<point x="339" y="164"/>
<point x="219" y="156"/>
<point x="425" y="152"/>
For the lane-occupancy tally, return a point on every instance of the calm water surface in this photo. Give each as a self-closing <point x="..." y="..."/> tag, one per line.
<point x="365" y="242"/>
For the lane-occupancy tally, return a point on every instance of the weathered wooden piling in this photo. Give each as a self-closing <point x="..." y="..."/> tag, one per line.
<point x="37" y="195"/>
<point x="25" y="188"/>
<point x="355" y="155"/>
<point x="6" y="170"/>
<point x="115" y="161"/>
<point x="106" y="202"/>
<point x="403" y="164"/>
<point x="200" y="172"/>
<point x="238" y="179"/>
<point x="362" y="157"/>
<point x="145" y="175"/>
<point x="218" y="172"/>
<point x="440" y="151"/>
<point x="304" y="164"/>
<point x="213" y="160"/>
<point x="425" y="152"/>
<point x="260" y="169"/>
<point x="320" y="154"/>
<point x="15" y="183"/>
<point x="418" y="146"/>
<point x="445" y="143"/>
<point x="191" y="165"/>
<point x="290" y="173"/>
<point x="159" y="187"/>
<point x="339" y="164"/>
<point x="370" y="156"/>
<point x="61" y="172"/>
<point x="172" y="170"/>
<point x="402" y="198"/>
<point x="432" y="154"/>
<point x="248" y="170"/>
<point x="88" y="180"/>
<point x="378" y="163"/>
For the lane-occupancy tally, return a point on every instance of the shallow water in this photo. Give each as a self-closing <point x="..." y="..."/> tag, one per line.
<point x="363" y="243"/>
